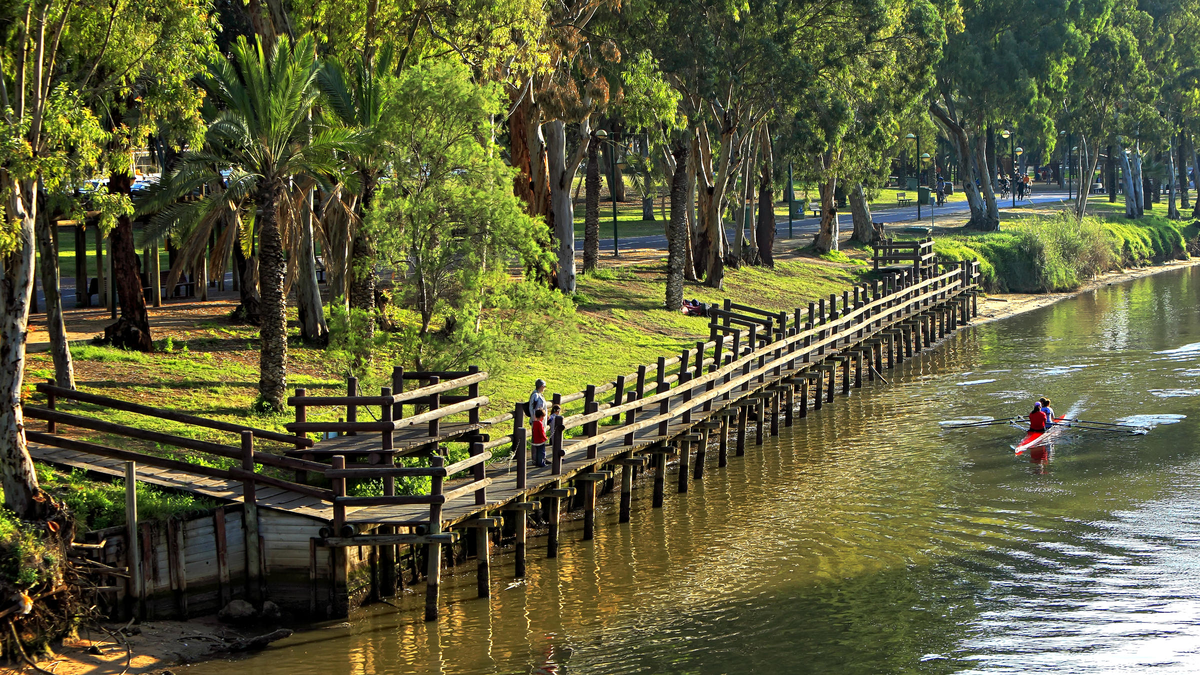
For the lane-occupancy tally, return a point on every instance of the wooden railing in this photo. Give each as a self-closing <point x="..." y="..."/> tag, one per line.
<point x="391" y="402"/>
<point x="917" y="253"/>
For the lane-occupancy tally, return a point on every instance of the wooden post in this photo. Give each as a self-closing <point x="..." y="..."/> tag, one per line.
<point x="819" y="394"/>
<point x="433" y="572"/>
<point x="685" y="454"/>
<point x="479" y="474"/>
<point x="723" y="443"/>
<point x="699" y="360"/>
<point x="519" y="543"/>
<point x="554" y="516"/>
<point x="250" y="523"/>
<point x="858" y="369"/>
<point x="740" y="447"/>
<point x="618" y="396"/>
<point x="775" y="412"/>
<point x="556" y="442"/>
<point x="791" y="404"/>
<point x="832" y="383"/>
<point x="698" y="464"/>
<point x="435" y="426"/>
<point x="224" y="591"/>
<point x="626" y="492"/>
<point x="520" y="447"/>
<point x="387" y="553"/>
<point x="351" y="408"/>
<point x="804" y="397"/>
<point x="483" y="554"/>
<point x="660" y="468"/>
<point x="473" y="392"/>
<point x="589" y="510"/>
<point x="133" y="556"/>
<point x="397" y="389"/>
<point x="760" y="408"/>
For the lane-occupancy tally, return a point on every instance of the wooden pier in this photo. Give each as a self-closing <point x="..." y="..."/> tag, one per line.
<point x="758" y="371"/>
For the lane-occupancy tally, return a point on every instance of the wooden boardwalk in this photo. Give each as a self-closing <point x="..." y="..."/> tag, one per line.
<point x="742" y="384"/>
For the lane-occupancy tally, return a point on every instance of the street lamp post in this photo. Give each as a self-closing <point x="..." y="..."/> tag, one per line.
<point x="1021" y="151"/>
<point x="612" y="181"/>
<point x="917" y="137"/>
<point x="791" y="196"/>
<point x="1012" y="158"/>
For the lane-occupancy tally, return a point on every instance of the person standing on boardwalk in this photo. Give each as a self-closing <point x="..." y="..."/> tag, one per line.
<point x="554" y="424"/>
<point x="539" y="438"/>
<point x="537" y="401"/>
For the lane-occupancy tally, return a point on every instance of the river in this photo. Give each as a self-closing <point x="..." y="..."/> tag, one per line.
<point x="866" y="539"/>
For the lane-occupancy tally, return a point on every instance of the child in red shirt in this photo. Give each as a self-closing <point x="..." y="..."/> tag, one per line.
<point x="539" y="438"/>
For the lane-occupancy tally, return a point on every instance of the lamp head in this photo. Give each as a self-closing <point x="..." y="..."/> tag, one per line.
<point x="1020" y="151"/>
<point x="1006" y="133"/>
<point x="601" y="134"/>
<point x="910" y="136"/>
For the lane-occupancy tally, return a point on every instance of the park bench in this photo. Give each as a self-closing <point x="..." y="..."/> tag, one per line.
<point x="903" y="199"/>
<point x="916" y="254"/>
<point x="815" y="207"/>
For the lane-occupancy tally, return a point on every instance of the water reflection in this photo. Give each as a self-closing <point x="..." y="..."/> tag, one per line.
<point x="867" y="540"/>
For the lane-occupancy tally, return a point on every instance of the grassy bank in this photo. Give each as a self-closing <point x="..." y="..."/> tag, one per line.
<point x="1051" y="253"/>
<point x="209" y="366"/>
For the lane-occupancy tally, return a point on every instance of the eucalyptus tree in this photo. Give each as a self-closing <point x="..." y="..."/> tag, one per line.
<point x="1004" y="59"/>
<point x="262" y="137"/>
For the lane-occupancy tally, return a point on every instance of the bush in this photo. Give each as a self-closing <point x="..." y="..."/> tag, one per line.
<point x="96" y="505"/>
<point x="1060" y="253"/>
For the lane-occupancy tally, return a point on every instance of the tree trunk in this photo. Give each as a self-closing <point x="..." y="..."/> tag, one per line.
<point x="16" y="289"/>
<point x="1195" y="176"/>
<point x="313" y="328"/>
<point x="362" y="261"/>
<point x="860" y="213"/>
<point x="1130" y="189"/>
<point x="765" y="231"/>
<point x="991" y="220"/>
<point x="962" y="145"/>
<point x="64" y="368"/>
<point x="745" y="209"/>
<point x="532" y="183"/>
<point x="272" y="362"/>
<point x="247" y="271"/>
<point x="694" y="267"/>
<point x="561" y="174"/>
<point x="829" y="231"/>
<point x="1085" y="188"/>
<point x="993" y="166"/>
<point x="679" y="235"/>
<point x="648" y="208"/>
<point x="132" y="329"/>
<point x="1184" y="199"/>
<point x="1138" y="182"/>
<point x="716" y="176"/>
<point x="1111" y="165"/>
<point x="591" y="211"/>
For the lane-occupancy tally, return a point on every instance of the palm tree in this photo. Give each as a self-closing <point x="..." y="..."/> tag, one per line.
<point x="263" y="139"/>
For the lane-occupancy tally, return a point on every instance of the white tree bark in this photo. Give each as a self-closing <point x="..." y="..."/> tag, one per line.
<point x="562" y="174"/>
<point x="16" y="290"/>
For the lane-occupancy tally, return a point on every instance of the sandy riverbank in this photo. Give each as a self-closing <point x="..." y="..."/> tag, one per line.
<point x="1003" y="305"/>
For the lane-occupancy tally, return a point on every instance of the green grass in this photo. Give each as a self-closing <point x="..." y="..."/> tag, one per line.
<point x="1056" y="253"/>
<point x="99" y="504"/>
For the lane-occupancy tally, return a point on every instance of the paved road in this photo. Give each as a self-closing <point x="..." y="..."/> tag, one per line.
<point x="808" y="226"/>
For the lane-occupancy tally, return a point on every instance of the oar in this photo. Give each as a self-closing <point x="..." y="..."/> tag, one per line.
<point x="1100" y="424"/>
<point x="957" y="424"/>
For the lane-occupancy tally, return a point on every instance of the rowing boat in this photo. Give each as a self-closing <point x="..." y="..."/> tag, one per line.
<point x="1034" y="439"/>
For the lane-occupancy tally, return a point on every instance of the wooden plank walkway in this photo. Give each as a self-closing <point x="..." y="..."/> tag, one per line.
<point x="214" y="488"/>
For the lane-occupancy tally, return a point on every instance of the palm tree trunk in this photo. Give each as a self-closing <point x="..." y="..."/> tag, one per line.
<point x="132" y="329"/>
<point x="313" y="328"/>
<point x="64" y="368"/>
<point x="591" y="211"/>
<point x="272" y="362"/>
<point x="16" y="288"/>
<point x="678" y="233"/>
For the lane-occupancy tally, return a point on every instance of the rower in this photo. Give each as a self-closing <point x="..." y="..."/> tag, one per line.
<point x="1047" y="409"/>
<point x="1037" y="418"/>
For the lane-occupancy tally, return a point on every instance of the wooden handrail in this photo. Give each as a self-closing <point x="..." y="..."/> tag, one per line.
<point x="395" y="425"/>
<point x="172" y="415"/>
<point x="94" y="424"/>
<point x="400" y="397"/>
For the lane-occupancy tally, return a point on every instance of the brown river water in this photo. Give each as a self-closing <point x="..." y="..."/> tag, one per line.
<point x="869" y="539"/>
